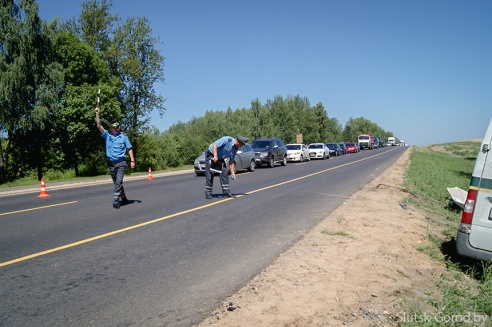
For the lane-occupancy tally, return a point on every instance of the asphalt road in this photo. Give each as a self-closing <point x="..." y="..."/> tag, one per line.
<point x="170" y="256"/>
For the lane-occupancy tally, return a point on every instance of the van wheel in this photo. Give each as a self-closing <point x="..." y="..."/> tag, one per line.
<point x="252" y="166"/>
<point x="271" y="163"/>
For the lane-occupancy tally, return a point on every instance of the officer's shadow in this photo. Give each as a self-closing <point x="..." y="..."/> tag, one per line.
<point x="131" y="202"/>
<point x="222" y="196"/>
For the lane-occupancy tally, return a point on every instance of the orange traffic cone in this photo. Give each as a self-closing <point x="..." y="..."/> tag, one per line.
<point x="150" y="174"/>
<point x="43" y="192"/>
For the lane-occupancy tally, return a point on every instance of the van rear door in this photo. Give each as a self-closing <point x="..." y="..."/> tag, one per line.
<point x="481" y="229"/>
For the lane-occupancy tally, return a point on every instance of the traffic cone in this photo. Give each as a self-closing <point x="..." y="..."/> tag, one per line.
<point x="150" y="174"/>
<point x="43" y="192"/>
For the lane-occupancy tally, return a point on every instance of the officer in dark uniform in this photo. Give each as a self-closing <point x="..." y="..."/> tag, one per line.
<point x="217" y="152"/>
<point x="117" y="144"/>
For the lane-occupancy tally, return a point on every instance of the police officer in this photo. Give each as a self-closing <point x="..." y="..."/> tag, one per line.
<point x="223" y="148"/>
<point x="117" y="144"/>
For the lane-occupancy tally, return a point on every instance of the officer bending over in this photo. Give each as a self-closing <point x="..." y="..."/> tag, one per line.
<point x="223" y="148"/>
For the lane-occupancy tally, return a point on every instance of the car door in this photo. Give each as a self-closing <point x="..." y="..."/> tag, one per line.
<point x="275" y="150"/>
<point x="282" y="152"/>
<point x="305" y="151"/>
<point x="239" y="158"/>
<point x="247" y="155"/>
<point x="481" y="234"/>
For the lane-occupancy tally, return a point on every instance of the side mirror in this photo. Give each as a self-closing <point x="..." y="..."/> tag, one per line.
<point x="485" y="147"/>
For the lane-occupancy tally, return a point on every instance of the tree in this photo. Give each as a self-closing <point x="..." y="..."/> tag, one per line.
<point x="299" y="107"/>
<point x="85" y="72"/>
<point x="94" y="24"/>
<point x="261" y="120"/>
<point x="29" y="84"/>
<point x="334" y="130"/>
<point x="283" y="119"/>
<point x="139" y="65"/>
<point x="321" y="122"/>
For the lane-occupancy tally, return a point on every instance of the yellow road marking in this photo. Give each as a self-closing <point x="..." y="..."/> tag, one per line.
<point x="37" y="208"/>
<point x="87" y="240"/>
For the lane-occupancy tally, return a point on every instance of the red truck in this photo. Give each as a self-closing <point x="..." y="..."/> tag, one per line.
<point x="366" y="141"/>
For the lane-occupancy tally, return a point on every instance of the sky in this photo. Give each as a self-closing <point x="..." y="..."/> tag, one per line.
<point x="421" y="69"/>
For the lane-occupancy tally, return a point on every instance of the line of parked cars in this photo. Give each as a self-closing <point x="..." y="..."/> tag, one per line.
<point x="271" y="151"/>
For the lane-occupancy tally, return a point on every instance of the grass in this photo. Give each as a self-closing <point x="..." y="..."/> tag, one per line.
<point x="68" y="176"/>
<point x="466" y="286"/>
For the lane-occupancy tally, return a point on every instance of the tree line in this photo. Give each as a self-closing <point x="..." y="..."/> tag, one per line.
<point x="51" y="72"/>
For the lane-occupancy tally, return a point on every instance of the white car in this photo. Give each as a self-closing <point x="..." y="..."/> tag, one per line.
<point x="318" y="151"/>
<point x="297" y="152"/>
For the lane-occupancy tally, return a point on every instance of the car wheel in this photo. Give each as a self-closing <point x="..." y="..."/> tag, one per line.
<point x="271" y="163"/>
<point x="252" y="166"/>
<point x="284" y="162"/>
<point x="302" y="158"/>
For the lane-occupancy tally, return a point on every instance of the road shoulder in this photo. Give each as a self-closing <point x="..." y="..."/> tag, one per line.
<point x="357" y="267"/>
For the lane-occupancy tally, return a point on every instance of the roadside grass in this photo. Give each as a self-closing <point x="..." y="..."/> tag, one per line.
<point x="53" y="176"/>
<point x="465" y="286"/>
<point x="336" y="233"/>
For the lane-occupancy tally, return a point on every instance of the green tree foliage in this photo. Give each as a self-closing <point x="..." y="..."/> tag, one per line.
<point x="95" y="24"/>
<point x="261" y="120"/>
<point x="310" y="132"/>
<point x="313" y="122"/>
<point x="140" y="67"/>
<point x="321" y="123"/>
<point x="157" y="151"/>
<point x="356" y="126"/>
<point x="335" y="132"/>
<point x="29" y="86"/>
<point x="283" y="119"/>
<point x="85" y="74"/>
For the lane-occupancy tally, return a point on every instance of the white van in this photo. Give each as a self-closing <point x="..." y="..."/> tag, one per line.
<point x="474" y="237"/>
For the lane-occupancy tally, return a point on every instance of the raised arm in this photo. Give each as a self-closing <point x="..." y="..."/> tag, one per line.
<point x="98" y="121"/>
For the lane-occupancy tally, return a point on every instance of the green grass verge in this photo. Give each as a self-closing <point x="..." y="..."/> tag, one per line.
<point x="68" y="176"/>
<point x="466" y="286"/>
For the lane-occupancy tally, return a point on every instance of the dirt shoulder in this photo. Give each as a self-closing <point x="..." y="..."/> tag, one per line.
<point x="356" y="268"/>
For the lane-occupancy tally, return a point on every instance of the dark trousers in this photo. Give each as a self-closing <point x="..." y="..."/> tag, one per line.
<point x="209" y="176"/>
<point x="117" y="171"/>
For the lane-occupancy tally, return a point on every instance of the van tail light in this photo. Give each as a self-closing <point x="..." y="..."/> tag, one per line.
<point x="469" y="207"/>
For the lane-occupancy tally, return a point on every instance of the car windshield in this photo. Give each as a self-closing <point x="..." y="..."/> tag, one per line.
<point x="293" y="147"/>
<point x="261" y="144"/>
<point x="316" y="146"/>
<point x="349" y="144"/>
<point x="331" y="146"/>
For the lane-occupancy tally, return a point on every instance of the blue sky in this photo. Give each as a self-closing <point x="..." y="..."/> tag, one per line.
<point x="421" y="69"/>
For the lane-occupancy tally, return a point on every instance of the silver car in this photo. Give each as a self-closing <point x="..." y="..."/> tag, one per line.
<point x="245" y="159"/>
